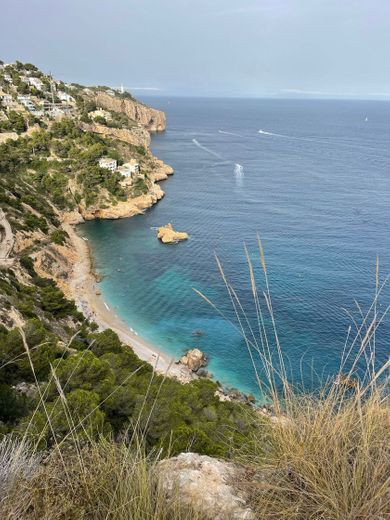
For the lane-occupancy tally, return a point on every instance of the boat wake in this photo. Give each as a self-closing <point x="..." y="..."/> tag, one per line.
<point x="294" y="138"/>
<point x="229" y="133"/>
<point x="239" y="174"/>
<point x="263" y="132"/>
<point x="238" y="170"/>
<point x="205" y="149"/>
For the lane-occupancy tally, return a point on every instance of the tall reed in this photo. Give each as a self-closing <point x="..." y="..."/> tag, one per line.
<point x="324" y="455"/>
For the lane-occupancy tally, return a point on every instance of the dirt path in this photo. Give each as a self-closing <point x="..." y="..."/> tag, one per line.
<point x="7" y="239"/>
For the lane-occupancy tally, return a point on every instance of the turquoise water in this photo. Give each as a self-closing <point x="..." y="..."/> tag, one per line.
<point x="315" y="183"/>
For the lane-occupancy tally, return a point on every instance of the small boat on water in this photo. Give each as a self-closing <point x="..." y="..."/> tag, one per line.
<point x="85" y="238"/>
<point x="106" y="306"/>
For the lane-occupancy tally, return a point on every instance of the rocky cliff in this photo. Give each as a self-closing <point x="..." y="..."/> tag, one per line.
<point x="136" y="135"/>
<point x="150" y="118"/>
<point x="124" y="209"/>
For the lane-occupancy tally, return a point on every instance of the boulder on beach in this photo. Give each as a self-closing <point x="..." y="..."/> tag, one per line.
<point x="168" y="235"/>
<point x="194" y="359"/>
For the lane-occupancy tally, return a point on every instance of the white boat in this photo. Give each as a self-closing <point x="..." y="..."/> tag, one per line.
<point x="85" y="238"/>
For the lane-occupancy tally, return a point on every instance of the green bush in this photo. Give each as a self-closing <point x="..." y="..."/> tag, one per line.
<point x="53" y="300"/>
<point x="59" y="236"/>
<point x="32" y="223"/>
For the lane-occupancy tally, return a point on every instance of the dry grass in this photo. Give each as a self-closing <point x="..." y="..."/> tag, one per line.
<point x="103" y="481"/>
<point x="324" y="456"/>
<point x="328" y="460"/>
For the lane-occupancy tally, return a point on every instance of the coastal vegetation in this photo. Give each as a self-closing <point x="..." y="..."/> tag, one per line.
<point x="84" y="423"/>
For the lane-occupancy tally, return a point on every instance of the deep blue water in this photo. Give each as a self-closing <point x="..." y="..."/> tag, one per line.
<point x="316" y="186"/>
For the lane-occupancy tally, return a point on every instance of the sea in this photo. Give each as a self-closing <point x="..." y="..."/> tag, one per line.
<point x="311" y="179"/>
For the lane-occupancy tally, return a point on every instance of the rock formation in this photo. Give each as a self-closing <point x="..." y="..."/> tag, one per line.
<point x="194" y="359"/>
<point x="160" y="170"/>
<point x="168" y="235"/>
<point x="123" y="209"/>
<point x="135" y="135"/>
<point x="150" y="118"/>
<point x="207" y="485"/>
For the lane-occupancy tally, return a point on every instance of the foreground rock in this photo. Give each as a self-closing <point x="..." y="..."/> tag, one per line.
<point x="194" y="359"/>
<point x="168" y="235"/>
<point x="207" y="485"/>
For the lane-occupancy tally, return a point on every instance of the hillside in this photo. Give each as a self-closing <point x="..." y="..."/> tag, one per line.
<point x="88" y="429"/>
<point x="51" y="179"/>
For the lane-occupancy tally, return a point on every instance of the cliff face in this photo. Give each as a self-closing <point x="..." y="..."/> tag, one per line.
<point x="150" y="118"/>
<point x="128" y="208"/>
<point x="136" y="135"/>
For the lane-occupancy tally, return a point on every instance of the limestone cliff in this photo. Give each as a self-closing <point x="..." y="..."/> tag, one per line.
<point x="128" y="208"/>
<point x="136" y="135"/>
<point x="150" y="118"/>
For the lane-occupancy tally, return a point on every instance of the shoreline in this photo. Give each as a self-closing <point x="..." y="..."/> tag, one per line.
<point x="83" y="289"/>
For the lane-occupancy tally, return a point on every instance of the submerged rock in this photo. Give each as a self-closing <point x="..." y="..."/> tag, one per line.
<point x="207" y="485"/>
<point x="194" y="359"/>
<point x="168" y="235"/>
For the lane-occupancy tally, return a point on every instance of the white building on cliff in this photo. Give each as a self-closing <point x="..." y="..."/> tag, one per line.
<point x="129" y="169"/>
<point x="108" y="163"/>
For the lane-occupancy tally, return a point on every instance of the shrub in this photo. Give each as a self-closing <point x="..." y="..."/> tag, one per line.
<point x="53" y="300"/>
<point x="32" y="222"/>
<point x="59" y="237"/>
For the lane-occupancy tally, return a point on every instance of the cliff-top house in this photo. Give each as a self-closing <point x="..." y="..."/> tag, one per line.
<point x="108" y="163"/>
<point x="129" y="169"/>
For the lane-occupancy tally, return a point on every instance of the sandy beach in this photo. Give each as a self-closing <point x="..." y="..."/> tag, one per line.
<point x="84" y="288"/>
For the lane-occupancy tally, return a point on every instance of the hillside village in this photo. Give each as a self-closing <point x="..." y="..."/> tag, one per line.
<point x="93" y="140"/>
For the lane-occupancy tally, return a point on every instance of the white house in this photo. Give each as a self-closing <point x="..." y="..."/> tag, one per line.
<point x="100" y="113"/>
<point x="26" y="102"/>
<point x="64" y="96"/>
<point x="129" y="169"/>
<point x="35" y="82"/>
<point x="8" y="78"/>
<point x="108" y="163"/>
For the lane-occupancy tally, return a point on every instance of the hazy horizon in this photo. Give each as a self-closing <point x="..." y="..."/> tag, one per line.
<point x="258" y="48"/>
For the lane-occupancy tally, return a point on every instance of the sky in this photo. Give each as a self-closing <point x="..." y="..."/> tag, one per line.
<point x="254" y="48"/>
